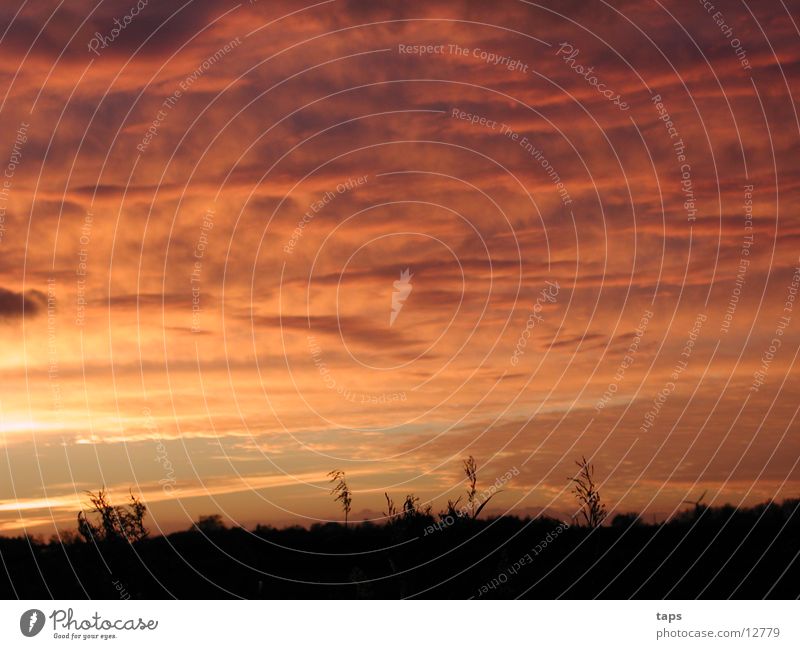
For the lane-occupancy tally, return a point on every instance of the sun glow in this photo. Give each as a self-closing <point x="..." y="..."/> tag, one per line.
<point x="18" y="425"/>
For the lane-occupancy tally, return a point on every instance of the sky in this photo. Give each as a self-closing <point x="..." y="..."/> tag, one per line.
<point x="245" y="244"/>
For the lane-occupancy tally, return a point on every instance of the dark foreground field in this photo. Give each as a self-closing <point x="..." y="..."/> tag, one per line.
<point x="706" y="552"/>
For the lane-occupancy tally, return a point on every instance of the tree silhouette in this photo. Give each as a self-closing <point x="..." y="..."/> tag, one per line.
<point x="342" y="492"/>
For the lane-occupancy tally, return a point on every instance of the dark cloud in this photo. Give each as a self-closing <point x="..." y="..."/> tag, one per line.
<point x="16" y="305"/>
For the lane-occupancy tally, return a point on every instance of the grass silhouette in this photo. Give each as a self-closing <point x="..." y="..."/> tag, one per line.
<point x="587" y="493"/>
<point x="342" y="492"/>
<point x="710" y="552"/>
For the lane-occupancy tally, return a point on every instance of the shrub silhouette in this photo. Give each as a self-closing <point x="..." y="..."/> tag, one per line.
<point x="116" y="523"/>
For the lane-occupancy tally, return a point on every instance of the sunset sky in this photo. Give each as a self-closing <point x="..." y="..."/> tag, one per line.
<point x="205" y="217"/>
